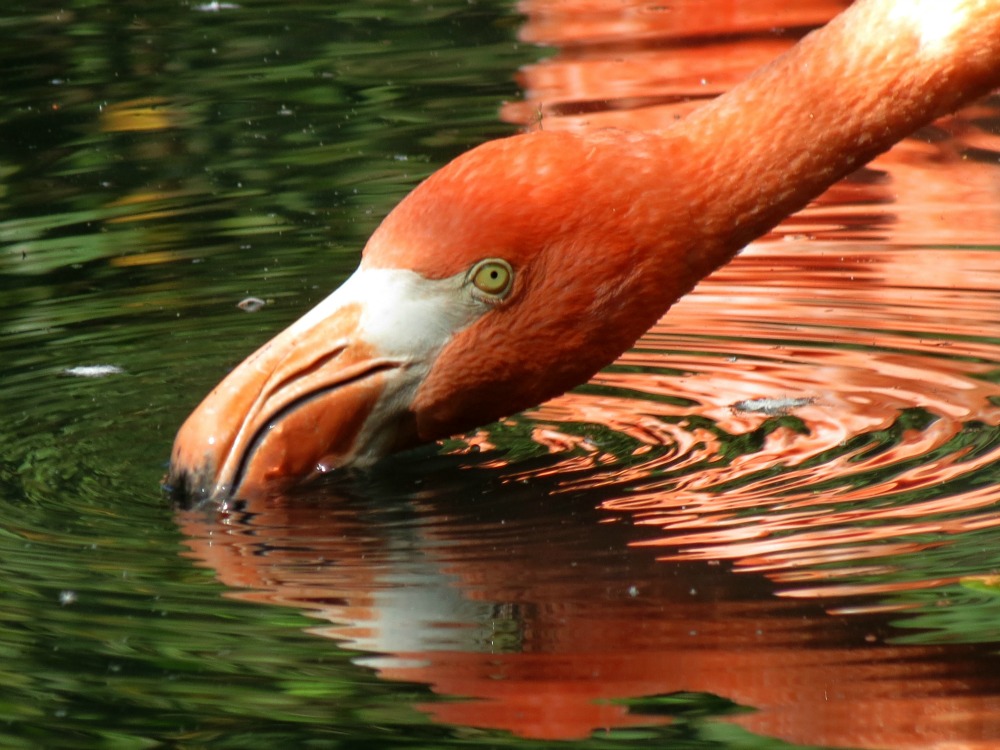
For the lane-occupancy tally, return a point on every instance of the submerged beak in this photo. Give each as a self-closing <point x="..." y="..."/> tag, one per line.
<point x="330" y="391"/>
<point x="294" y="408"/>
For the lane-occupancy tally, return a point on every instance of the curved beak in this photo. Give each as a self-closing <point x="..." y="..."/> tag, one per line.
<point x="331" y="390"/>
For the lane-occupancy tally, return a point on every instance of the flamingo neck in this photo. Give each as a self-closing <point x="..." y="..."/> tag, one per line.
<point x="843" y="95"/>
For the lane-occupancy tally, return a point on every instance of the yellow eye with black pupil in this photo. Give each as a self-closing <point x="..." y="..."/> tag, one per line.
<point x="493" y="277"/>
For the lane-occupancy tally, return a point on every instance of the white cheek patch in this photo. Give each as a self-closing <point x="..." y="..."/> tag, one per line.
<point x="404" y="315"/>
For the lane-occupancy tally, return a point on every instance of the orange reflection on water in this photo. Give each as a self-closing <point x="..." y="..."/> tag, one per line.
<point x="852" y="354"/>
<point x="640" y="65"/>
<point x="441" y="592"/>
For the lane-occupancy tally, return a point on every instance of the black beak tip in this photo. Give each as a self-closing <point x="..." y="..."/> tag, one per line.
<point x="188" y="489"/>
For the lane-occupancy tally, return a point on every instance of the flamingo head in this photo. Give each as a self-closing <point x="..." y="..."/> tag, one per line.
<point x="512" y="274"/>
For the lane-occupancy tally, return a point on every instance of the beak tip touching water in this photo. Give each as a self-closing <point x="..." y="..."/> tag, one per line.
<point x="308" y="402"/>
<point x="223" y="453"/>
<point x="195" y="461"/>
<point x="269" y="454"/>
<point x="191" y="488"/>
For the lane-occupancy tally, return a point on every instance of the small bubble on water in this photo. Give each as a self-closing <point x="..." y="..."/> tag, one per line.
<point x="251" y="304"/>
<point x="93" y="371"/>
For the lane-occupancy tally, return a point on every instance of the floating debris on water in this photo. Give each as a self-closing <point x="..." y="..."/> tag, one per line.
<point x="772" y="407"/>
<point x="67" y="597"/>
<point x="251" y="304"/>
<point x="215" y="7"/>
<point x="93" y="371"/>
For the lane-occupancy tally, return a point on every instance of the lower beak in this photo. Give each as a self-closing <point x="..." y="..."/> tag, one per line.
<point x="295" y="408"/>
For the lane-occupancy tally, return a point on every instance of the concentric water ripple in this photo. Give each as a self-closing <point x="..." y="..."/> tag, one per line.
<point x="817" y="427"/>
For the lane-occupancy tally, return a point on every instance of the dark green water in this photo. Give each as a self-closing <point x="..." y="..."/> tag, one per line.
<point x="278" y="136"/>
<point x="161" y="161"/>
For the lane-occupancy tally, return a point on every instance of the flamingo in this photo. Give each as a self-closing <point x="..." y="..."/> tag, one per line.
<point x="529" y="263"/>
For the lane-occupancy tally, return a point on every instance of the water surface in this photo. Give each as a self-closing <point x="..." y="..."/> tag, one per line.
<point x="771" y="523"/>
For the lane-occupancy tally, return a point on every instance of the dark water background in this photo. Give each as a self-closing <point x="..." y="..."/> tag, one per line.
<point x="773" y="521"/>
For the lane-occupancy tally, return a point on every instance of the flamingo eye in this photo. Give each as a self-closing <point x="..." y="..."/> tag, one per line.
<point x="493" y="278"/>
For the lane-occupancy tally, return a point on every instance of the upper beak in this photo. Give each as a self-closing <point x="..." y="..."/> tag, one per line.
<point x="297" y="407"/>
